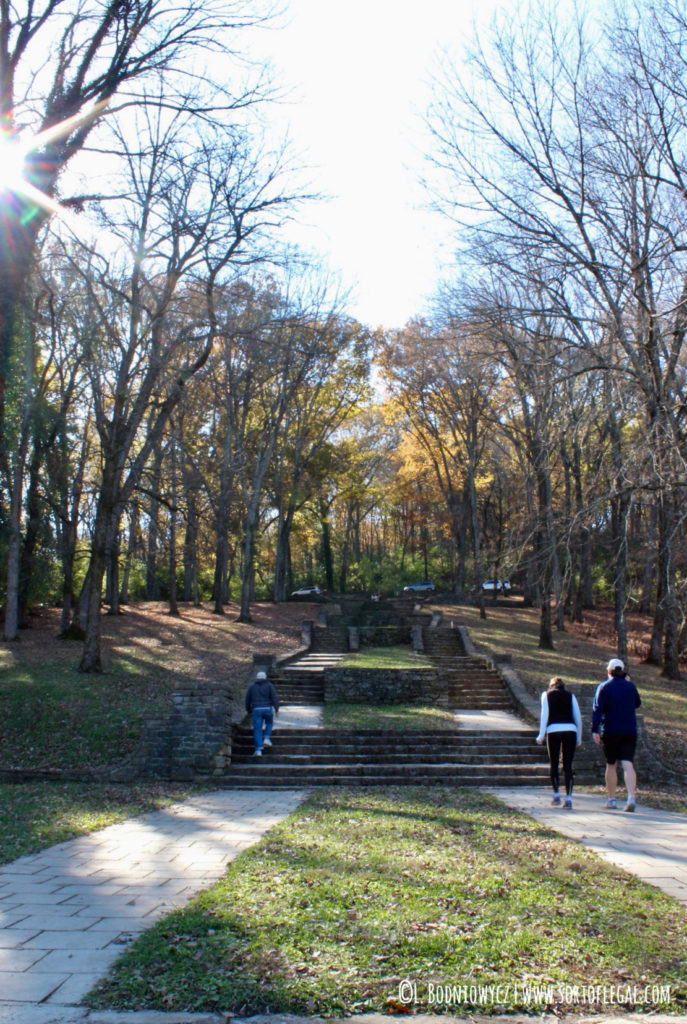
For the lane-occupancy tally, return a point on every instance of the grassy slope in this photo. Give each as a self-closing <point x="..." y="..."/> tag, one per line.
<point x="581" y="654"/>
<point x="56" y="717"/>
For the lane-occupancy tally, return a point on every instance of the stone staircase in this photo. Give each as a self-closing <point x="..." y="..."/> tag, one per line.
<point x="303" y="681"/>
<point x="328" y="757"/>
<point x="472" y="684"/>
<point x="373" y="757"/>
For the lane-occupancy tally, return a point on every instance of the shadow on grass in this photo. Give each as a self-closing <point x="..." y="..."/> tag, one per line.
<point x="358" y="890"/>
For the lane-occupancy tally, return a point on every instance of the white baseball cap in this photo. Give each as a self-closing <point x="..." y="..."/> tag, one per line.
<point x="613" y="664"/>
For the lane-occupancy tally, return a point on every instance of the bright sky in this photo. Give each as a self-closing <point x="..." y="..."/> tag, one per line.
<point x="359" y="75"/>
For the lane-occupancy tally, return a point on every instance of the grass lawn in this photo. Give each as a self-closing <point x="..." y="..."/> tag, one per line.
<point x="360" y="890"/>
<point x="342" y="715"/>
<point x="385" y="657"/>
<point x="34" y="815"/>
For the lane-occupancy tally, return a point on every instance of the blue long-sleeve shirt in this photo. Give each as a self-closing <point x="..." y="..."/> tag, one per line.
<point x="615" y="703"/>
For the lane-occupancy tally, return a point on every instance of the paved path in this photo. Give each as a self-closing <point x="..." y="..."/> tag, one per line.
<point x="649" y="843"/>
<point x="67" y="912"/>
<point x="299" y="716"/>
<point x="488" y="720"/>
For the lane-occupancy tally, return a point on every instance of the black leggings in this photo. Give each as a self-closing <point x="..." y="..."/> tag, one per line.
<point x="568" y="741"/>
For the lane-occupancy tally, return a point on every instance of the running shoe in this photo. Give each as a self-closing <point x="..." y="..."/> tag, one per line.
<point x="556" y="801"/>
<point x="611" y="804"/>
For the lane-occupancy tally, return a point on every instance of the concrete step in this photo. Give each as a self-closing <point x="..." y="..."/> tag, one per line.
<point x="386" y="759"/>
<point x="369" y="737"/>
<point x="255" y="776"/>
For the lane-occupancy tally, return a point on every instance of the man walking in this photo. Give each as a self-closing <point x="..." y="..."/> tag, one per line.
<point x="614" y="726"/>
<point x="262" y="704"/>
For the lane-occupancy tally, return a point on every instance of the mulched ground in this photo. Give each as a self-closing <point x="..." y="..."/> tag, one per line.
<point x="599" y="625"/>
<point x="197" y="645"/>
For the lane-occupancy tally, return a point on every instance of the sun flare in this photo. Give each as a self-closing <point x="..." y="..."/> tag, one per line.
<point x="14" y="151"/>
<point x="13" y="154"/>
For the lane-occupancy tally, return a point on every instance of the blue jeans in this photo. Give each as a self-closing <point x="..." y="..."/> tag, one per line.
<point x="262" y="716"/>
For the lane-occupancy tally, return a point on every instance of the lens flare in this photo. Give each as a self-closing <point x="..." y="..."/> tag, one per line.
<point x="15" y="150"/>
<point x="13" y="154"/>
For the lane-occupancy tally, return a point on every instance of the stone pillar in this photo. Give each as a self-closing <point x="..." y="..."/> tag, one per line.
<point x="416" y="639"/>
<point x="193" y="742"/>
<point x="306" y="632"/>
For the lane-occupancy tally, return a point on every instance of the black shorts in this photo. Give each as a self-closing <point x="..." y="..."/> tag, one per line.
<point x="619" y="746"/>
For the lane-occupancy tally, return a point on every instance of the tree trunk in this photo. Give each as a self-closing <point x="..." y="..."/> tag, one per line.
<point x="545" y="625"/>
<point x="476" y="547"/>
<point x="247" y="567"/>
<point x="13" y="554"/>
<point x="130" y="549"/>
<point x="112" y="585"/>
<point x="152" y="589"/>
<point x="91" y="656"/>
<point x="327" y="556"/>
<point x="33" y="528"/>
<point x="281" y="566"/>
<point x="671" y="652"/>
<point x="191" y="593"/>
<point x="173" y="603"/>
<point x="103" y="536"/>
<point x="649" y="574"/>
<point x="345" y="552"/>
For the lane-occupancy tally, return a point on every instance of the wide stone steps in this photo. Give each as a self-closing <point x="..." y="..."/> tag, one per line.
<point x="387" y="746"/>
<point x="319" y="757"/>
<point x="397" y="760"/>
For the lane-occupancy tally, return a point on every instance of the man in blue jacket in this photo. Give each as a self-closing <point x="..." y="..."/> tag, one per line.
<point x="262" y="704"/>
<point x="614" y="726"/>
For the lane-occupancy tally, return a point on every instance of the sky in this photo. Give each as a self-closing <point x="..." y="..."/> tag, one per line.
<point x="357" y="74"/>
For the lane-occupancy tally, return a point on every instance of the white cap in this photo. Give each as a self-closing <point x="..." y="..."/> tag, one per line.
<point x="615" y="663"/>
<point x="263" y="675"/>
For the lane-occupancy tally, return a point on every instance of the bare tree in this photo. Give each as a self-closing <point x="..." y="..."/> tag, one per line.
<point x="190" y="209"/>
<point x="61" y="66"/>
<point x="566" y="156"/>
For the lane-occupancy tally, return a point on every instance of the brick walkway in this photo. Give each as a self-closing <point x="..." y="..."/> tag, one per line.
<point x="67" y="912"/>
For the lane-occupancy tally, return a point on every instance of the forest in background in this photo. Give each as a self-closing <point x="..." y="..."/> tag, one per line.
<point x="188" y="412"/>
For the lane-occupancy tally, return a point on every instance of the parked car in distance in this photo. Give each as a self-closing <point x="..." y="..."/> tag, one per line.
<point x="500" y="586"/>
<point x="420" y="588"/>
<point x="305" y="592"/>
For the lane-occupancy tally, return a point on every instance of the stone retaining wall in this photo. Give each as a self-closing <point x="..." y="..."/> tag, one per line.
<point x="383" y="636"/>
<point x="385" y="686"/>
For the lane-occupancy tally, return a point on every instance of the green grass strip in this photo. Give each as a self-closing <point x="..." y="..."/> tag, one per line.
<point x="361" y="890"/>
<point x="396" y="717"/>
<point x="385" y="658"/>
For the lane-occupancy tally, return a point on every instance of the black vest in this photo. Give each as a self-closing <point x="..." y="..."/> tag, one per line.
<point x="560" y="707"/>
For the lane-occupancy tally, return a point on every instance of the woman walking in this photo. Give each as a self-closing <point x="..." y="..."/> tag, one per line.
<point x="561" y="724"/>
